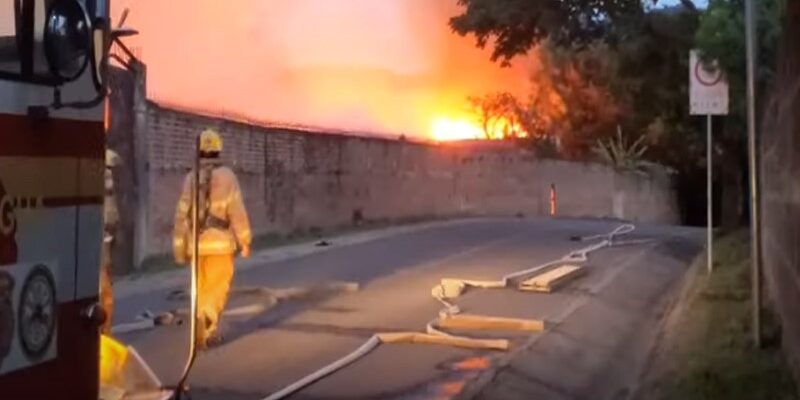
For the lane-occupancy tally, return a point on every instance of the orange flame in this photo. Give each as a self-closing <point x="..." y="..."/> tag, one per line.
<point x="449" y="129"/>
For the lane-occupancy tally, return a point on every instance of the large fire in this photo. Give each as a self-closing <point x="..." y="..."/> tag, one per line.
<point x="389" y="67"/>
<point x="465" y="128"/>
<point x="446" y="129"/>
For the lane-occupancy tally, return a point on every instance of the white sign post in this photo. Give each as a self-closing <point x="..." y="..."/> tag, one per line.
<point x="708" y="95"/>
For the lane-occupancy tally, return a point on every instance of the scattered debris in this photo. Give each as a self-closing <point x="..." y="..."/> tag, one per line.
<point x="147" y="321"/>
<point x="270" y="297"/>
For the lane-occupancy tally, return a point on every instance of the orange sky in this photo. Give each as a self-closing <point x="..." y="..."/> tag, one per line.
<point x="384" y="66"/>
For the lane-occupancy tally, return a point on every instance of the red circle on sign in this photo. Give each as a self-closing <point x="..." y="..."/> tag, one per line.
<point x="698" y="67"/>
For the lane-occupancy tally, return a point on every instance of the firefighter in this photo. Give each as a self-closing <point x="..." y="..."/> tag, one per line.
<point x="110" y="223"/>
<point x="223" y="228"/>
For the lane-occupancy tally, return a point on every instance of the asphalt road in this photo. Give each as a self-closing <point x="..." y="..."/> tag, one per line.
<point x="616" y="307"/>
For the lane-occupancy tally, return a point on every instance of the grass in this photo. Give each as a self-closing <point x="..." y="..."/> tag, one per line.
<point x="707" y="351"/>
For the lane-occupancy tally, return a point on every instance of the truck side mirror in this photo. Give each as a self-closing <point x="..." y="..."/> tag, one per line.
<point x="68" y="40"/>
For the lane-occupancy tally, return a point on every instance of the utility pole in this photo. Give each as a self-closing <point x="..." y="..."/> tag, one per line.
<point x="752" y="144"/>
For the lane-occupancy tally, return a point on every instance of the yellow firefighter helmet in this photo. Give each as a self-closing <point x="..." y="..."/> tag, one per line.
<point x="210" y="141"/>
<point x="112" y="158"/>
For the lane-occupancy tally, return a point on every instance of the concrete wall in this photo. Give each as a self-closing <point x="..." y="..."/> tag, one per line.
<point x="294" y="181"/>
<point x="299" y="181"/>
<point x="780" y="188"/>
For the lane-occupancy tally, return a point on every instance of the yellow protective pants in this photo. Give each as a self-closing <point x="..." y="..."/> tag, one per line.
<point x="213" y="285"/>
<point x="106" y="293"/>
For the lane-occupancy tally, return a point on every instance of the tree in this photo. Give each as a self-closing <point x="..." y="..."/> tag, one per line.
<point x="546" y="108"/>
<point x="652" y="47"/>
<point x="516" y="26"/>
<point x="654" y="65"/>
<point x="571" y="104"/>
<point x="721" y="36"/>
<point x="649" y="84"/>
<point x="641" y="59"/>
<point x="586" y="80"/>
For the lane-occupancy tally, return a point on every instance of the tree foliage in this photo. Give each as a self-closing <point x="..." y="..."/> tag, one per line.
<point x="655" y="65"/>
<point x="721" y="36"/>
<point x="515" y="26"/>
<point x="628" y="68"/>
<point x="647" y="50"/>
<point x="593" y="99"/>
<point x="575" y="98"/>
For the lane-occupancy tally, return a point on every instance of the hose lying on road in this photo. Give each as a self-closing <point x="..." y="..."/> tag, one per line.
<point x="452" y="288"/>
<point x="433" y="336"/>
<point x="365" y="348"/>
<point x="449" y="318"/>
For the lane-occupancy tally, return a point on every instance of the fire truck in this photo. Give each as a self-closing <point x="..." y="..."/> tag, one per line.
<point x="52" y="149"/>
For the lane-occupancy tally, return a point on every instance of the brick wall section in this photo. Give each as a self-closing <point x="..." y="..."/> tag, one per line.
<point x="296" y="181"/>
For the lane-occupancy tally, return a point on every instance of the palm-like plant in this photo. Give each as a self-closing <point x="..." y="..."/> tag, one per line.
<point x="617" y="152"/>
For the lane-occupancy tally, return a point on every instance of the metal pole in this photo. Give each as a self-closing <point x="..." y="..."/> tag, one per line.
<point x="709" y="198"/>
<point x="752" y="144"/>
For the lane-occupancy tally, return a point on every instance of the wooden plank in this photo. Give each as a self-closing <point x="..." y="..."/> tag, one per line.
<point x="552" y="279"/>
<point x="480" y="322"/>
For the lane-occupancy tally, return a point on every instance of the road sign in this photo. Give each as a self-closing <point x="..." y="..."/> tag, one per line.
<point x="708" y="95"/>
<point x="708" y="88"/>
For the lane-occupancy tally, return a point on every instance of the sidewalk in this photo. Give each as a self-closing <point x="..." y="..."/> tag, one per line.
<point x="130" y="285"/>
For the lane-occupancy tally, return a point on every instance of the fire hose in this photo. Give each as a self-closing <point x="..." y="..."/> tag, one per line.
<point x="181" y="389"/>
<point x="452" y="288"/>
<point x="449" y="316"/>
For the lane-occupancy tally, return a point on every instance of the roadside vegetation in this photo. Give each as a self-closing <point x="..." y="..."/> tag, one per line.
<point x="707" y="351"/>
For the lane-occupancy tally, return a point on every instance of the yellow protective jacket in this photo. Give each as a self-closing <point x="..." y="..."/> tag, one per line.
<point x="225" y="205"/>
